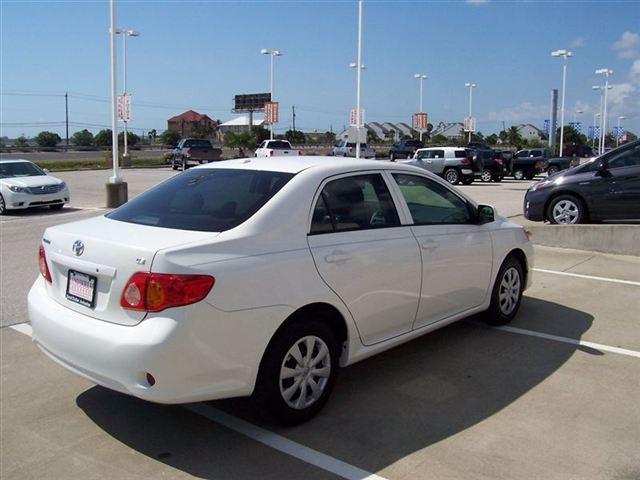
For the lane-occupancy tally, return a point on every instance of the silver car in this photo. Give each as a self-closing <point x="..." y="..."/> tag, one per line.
<point x="454" y="164"/>
<point x="348" y="149"/>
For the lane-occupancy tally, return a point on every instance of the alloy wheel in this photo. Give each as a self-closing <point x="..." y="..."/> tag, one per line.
<point x="486" y="176"/>
<point x="509" y="293"/>
<point x="518" y="175"/>
<point x="305" y="372"/>
<point x="452" y="177"/>
<point x="566" y="212"/>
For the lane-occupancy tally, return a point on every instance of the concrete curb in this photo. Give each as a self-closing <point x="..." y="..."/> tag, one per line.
<point x="616" y="239"/>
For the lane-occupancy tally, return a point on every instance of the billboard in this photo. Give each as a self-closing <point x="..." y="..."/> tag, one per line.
<point x="250" y="102"/>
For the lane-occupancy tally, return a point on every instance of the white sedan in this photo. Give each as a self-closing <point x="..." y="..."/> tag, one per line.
<point x="265" y="276"/>
<point x="25" y="185"/>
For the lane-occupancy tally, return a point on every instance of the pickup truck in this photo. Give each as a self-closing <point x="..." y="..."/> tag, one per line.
<point x="405" y="148"/>
<point x="194" y="151"/>
<point x="530" y="162"/>
<point x="276" y="148"/>
<point x="561" y="163"/>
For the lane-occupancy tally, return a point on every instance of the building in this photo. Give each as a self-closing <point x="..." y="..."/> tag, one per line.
<point x="450" y="130"/>
<point x="530" y="132"/>
<point x="184" y="123"/>
<point x="239" y="124"/>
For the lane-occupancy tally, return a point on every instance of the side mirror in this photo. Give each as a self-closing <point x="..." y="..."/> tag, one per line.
<point x="603" y="170"/>
<point x="486" y="214"/>
<point x="46" y="170"/>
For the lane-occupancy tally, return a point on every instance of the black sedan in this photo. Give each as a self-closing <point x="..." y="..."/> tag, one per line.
<point x="606" y="188"/>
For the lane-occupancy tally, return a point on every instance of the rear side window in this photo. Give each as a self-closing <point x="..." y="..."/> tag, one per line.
<point x="208" y="200"/>
<point x="354" y="203"/>
<point x="198" y="143"/>
<point x="413" y="143"/>
<point x="461" y="154"/>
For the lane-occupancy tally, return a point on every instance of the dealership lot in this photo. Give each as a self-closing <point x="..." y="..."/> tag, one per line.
<point x="554" y="396"/>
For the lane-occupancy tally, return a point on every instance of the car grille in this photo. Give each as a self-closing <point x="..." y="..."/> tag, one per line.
<point x="44" y="189"/>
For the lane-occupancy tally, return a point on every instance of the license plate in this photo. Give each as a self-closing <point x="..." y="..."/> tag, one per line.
<point x="81" y="288"/>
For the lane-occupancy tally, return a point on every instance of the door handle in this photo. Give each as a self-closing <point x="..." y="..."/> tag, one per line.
<point x="430" y="245"/>
<point x="337" y="258"/>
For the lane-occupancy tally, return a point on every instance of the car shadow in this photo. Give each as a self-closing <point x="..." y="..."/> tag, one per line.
<point x="382" y="409"/>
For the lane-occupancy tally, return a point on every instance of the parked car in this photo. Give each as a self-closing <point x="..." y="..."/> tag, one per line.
<point x="556" y="164"/>
<point x="276" y="148"/>
<point x="454" y="164"/>
<point x="606" y="188"/>
<point x="405" y="148"/>
<point x="528" y="163"/>
<point x="237" y="278"/>
<point x="493" y="166"/>
<point x="25" y="185"/>
<point x="194" y="151"/>
<point x="348" y="149"/>
<point x="583" y="151"/>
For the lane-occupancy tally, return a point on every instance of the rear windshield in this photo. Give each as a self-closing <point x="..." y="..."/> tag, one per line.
<point x="353" y="145"/>
<point x="203" y="199"/>
<point x="198" y="143"/>
<point x="279" y="145"/>
<point x="413" y="143"/>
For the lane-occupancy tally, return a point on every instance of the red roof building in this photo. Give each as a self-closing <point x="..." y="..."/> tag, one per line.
<point x="184" y="123"/>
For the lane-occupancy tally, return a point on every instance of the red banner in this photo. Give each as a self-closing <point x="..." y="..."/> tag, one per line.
<point x="420" y="121"/>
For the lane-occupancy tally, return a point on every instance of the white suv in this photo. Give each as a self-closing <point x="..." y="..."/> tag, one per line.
<point x="454" y="164"/>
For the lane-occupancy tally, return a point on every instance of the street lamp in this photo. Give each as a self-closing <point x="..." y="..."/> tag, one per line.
<point x="272" y="54"/>
<point x="596" y="116"/>
<point x="607" y="72"/>
<point x="359" y="67"/>
<point x="471" y="86"/>
<point x="621" y="117"/>
<point x="421" y="78"/>
<point x="125" y="33"/>
<point x="564" y="54"/>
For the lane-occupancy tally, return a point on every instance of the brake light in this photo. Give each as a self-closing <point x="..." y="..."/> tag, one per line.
<point x="350" y="149"/>
<point x="271" y="153"/>
<point x="499" y="161"/>
<point x="154" y="292"/>
<point x="42" y="263"/>
<point x="465" y="161"/>
<point x="299" y="152"/>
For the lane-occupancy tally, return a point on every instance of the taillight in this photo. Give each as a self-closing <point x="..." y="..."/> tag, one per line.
<point x="42" y="263"/>
<point x="271" y="153"/>
<point x="465" y="161"/>
<point x="154" y="292"/>
<point x="299" y="152"/>
<point x="187" y="152"/>
<point x="498" y="161"/>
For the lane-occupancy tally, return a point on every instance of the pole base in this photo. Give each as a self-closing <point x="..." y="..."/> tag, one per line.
<point x="116" y="194"/>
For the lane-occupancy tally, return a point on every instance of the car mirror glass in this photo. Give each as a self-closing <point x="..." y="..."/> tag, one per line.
<point x="486" y="214"/>
<point x="46" y="170"/>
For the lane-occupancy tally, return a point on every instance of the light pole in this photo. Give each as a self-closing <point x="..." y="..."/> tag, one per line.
<point x="272" y="54"/>
<point x="421" y="78"/>
<point x="564" y="54"/>
<point x="359" y="67"/>
<point x="125" y="33"/>
<point x="607" y="72"/>
<point x="596" y="116"/>
<point x="621" y="117"/>
<point x="471" y="87"/>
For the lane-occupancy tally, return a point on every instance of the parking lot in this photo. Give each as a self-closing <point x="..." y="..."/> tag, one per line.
<point x="553" y="395"/>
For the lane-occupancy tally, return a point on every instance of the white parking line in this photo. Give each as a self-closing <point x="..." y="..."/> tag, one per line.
<point x="270" y="439"/>
<point x="572" y="341"/>
<point x="282" y="444"/>
<point x="588" y="277"/>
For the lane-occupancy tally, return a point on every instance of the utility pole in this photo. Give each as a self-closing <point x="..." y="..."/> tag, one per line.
<point x="66" y="115"/>
<point x="358" y="79"/>
<point x="293" y="108"/>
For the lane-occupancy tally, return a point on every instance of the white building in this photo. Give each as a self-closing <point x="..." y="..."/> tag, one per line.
<point x="239" y="124"/>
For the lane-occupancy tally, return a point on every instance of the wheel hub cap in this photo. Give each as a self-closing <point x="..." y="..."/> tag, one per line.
<point x="565" y="212"/>
<point x="509" y="293"/>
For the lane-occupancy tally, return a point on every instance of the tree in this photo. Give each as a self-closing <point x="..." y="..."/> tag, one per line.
<point x="132" y="139"/>
<point x="103" y="138"/>
<point x="2" y="144"/>
<point x="260" y="133"/>
<point x="492" y="139"/>
<point x="170" y="137"/>
<point x="330" y="137"/>
<point x="47" y="139"/>
<point x="295" y="137"/>
<point x="202" y="131"/>
<point x="21" y="141"/>
<point x="372" y="138"/>
<point x="503" y="136"/>
<point x="514" y="138"/>
<point x="240" y="141"/>
<point x="572" y="137"/>
<point x="440" y="139"/>
<point x="83" y="138"/>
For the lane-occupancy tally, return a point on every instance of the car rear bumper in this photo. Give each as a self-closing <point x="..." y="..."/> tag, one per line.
<point x="194" y="353"/>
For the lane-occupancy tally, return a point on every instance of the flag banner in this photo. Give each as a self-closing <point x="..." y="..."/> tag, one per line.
<point x="420" y="121"/>
<point x="271" y="113"/>
<point x="545" y="128"/>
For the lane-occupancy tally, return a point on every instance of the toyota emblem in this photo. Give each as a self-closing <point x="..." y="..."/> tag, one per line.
<point x="78" y="248"/>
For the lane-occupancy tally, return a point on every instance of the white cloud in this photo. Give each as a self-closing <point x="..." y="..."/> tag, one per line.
<point x="577" y="42"/>
<point x="477" y="2"/>
<point x="523" y="112"/>
<point x="634" y="72"/>
<point x="627" y="45"/>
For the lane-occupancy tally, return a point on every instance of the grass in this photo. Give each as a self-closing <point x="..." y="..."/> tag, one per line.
<point x="96" y="164"/>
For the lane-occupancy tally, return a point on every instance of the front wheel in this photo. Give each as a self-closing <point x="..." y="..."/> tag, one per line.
<point x="566" y="210"/>
<point x="174" y="166"/>
<point x="486" y="175"/>
<point x="518" y="174"/>
<point x="3" y="207"/>
<point x="552" y="170"/>
<point x="507" y="293"/>
<point x="452" y="176"/>
<point x="298" y="371"/>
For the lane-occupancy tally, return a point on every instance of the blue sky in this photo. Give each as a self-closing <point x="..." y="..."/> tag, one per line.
<point x="199" y="54"/>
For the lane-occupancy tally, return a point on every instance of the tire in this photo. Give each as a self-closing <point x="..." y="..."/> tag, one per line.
<point x="392" y="157"/>
<point x="57" y="206"/>
<point x="566" y="210"/>
<point x="552" y="170"/>
<point x="506" y="295"/>
<point x="518" y="174"/>
<point x="184" y="164"/>
<point x="452" y="176"/>
<point x="3" y="207"/>
<point x="173" y="164"/>
<point x="272" y="387"/>
<point x="486" y="176"/>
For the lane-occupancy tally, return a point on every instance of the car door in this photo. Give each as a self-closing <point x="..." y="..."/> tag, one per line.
<point x="364" y="254"/>
<point x="457" y="253"/>
<point x="623" y="198"/>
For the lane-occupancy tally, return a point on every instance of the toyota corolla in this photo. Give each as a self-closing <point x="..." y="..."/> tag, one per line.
<point x="264" y="277"/>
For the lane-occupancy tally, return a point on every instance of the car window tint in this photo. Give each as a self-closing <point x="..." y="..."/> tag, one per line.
<point x="321" y="222"/>
<point x="431" y="203"/>
<point x="460" y="154"/>
<point x="279" y="145"/>
<point x="626" y="158"/>
<point x="356" y="203"/>
<point x="19" y="169"/>
<point x="536" y="153"/>
<point x="210" y="200"/>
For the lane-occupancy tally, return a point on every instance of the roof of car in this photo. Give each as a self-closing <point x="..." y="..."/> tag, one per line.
<point x="443" y="148"/>
<point x="296" y="164"/>
<point x="12" y="160"/>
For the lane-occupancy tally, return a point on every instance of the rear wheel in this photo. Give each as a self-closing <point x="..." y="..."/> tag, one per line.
<point x="566" y="210"/>
<point x="174" y="165"/>
<point x="507" y="293"/>
<point x="518" y="174"/>
<point x="298" y="371"/>
<point x="552" y="170"/>
<point x="3" y="207"/>
<point x="486" y="175"/>
<point x="452" y="176"/>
